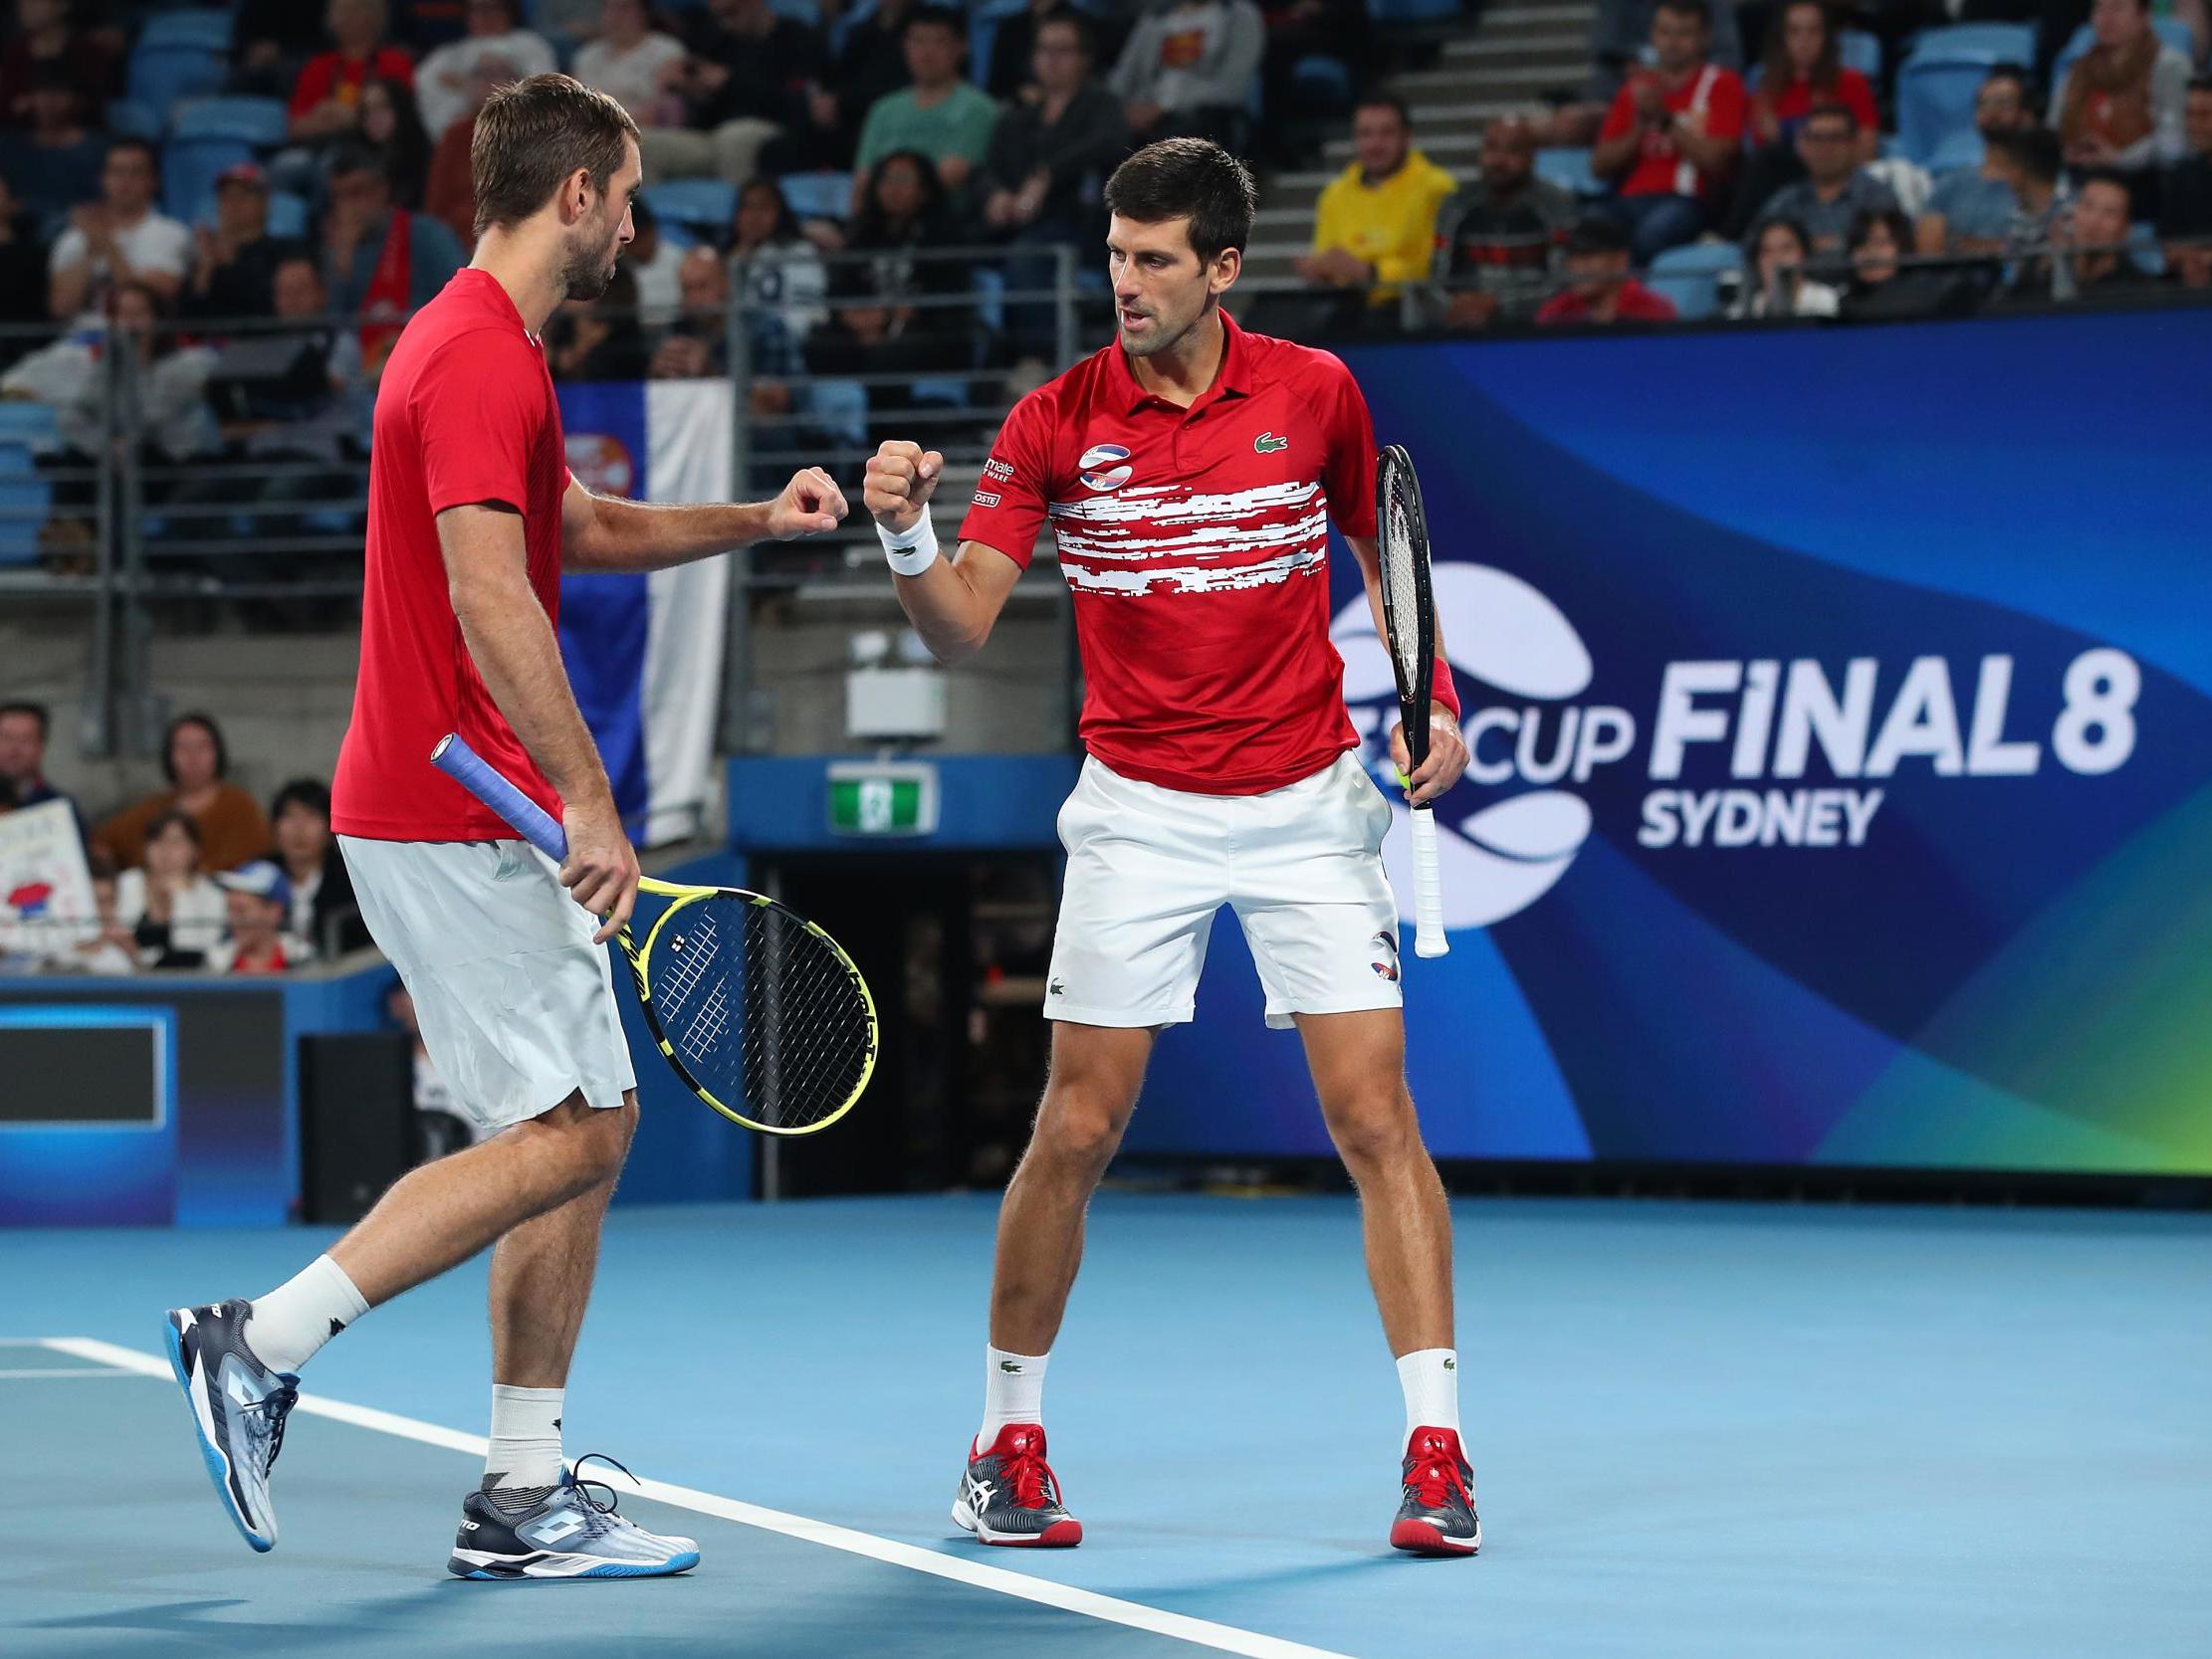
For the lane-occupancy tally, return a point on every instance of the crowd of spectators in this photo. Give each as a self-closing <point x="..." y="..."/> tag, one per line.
<point x="195" y="875"/>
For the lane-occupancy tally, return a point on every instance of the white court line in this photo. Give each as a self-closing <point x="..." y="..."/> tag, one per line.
<point x="40" y="1373"/>
<point x="1225" y="1638"/>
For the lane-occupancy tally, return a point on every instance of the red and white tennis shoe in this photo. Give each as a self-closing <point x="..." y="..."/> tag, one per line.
<point x="1436" y="1515"/>
<point x="1009" y="1494"/>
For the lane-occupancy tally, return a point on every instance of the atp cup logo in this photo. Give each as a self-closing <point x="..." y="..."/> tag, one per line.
<point x="1501" y="633"/>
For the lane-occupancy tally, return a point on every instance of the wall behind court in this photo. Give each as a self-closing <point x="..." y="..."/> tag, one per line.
<point x="1842" y="702"/>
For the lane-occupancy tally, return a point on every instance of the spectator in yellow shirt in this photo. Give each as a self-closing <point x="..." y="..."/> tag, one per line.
<point x="1376" y="223"/>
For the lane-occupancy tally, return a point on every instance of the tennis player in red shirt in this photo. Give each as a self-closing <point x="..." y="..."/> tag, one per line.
<point x="1189" y="470"/>
<point x="472" y="518"/>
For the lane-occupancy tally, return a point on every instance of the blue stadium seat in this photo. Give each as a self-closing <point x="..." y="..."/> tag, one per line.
<point x="208" y="29"/>
<point x="1690" y="277"/>
<point x="161" y="74"/>
<point x="189" y="167"/>
<point x="1975" y="42"/>
<point x="838" y="410"/>
<point x="128" y="117"/>
<point x="1960" y="151"/>
<point x="703" y="206"/>
<point x="818" y="196"/>
<point x="1935" y="99"/>
<point x="2171" y="30"/>
<point x="260" y="121"/>
<point x="842" y="28"/>
<point x="1859" y="51"/>
<point x="1323" y="84"/>
<point x="31" y="424"/>
<point x="1570" y="170"/>
<point x="808" y="12"/>
<point x="991" y="296"/>
<point x="2148" y="251"/>
<point x="1413" y="11"/>
<point x="25" y="500"/>
<point x="288" y="215"/>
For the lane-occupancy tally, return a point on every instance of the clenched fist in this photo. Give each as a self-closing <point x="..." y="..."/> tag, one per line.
<point x="901" y="478"/>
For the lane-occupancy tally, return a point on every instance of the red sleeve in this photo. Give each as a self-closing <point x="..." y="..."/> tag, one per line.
<point x="395" y="65"/>
<point x="1015" y="489"/>
<point x="478" y="406"/>
<point x="1853" y="93"/>
<point x="1620" y="119"/>
<point x="1348" y="474"/>
<point x="314" y="84"/>
<point x="1724" y="109"/>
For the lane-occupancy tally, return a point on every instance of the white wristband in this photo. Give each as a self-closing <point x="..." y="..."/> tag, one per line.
<point x="913" y="552"/>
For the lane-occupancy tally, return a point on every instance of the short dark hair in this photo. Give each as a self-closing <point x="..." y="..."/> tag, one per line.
<point x="312" y="793"/>
<point x="945" y="17"/>
<point x="1069" y="18"/>
<point x="1835" y="111"/>
<point x="173" y="816"/>
<point x="37" y="711"/>
<point x="2017" y="74"/>
<point x="2035" y="150"/>
<point x="532" y="134"/>
<point x="1893" y="218"/>
<point x="206" y="723"/>
<point x="1188" y="178"/>
<point x="1782" y="222"/>
<point x="354" y="157"/>
<point x="1698" y="9"/>
<point x="130" y="140"/>
<point x="1377" y="98"/>
<point x="1597" y="233"/>
<point x="2111" y="176"/>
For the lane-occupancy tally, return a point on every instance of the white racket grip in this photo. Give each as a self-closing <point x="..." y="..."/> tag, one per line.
<point x="1429" y="935"/>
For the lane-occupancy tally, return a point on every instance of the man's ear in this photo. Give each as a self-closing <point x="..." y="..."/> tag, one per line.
<point x="1227" y="267"/>
<point x="575" y="195"/>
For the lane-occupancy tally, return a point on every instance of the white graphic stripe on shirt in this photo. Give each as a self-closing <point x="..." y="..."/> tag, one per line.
<point x="1215" y="541"/>
<point x="1198" y="579"/>
<point x="1153" y="503"/>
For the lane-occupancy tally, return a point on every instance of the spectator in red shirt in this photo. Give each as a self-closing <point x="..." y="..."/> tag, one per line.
<point x="1799" y="69"/>
<point x="44" y="36"/>
<point x="326" y="98"/>
<point x="1669" y="141"/>
<point x="1598" y="286"/>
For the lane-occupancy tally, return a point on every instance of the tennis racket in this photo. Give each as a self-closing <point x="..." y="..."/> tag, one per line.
<point x="761" y="1013"/>
<point x="1409" y="618"/>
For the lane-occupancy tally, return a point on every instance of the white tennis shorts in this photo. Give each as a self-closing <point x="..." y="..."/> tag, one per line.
<point x="516" y="1003"/>
<point x="1147" y="868"/>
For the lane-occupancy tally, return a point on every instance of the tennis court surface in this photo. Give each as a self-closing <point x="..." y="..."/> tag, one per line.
<point x="1698" y="1430"/>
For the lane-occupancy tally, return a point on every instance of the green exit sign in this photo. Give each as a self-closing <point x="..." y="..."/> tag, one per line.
<point x="882" y="798"/>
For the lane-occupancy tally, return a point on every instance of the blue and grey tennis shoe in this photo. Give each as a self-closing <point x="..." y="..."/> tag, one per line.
<point x="570" y="1535"/>
<point x="239" y="1407"/>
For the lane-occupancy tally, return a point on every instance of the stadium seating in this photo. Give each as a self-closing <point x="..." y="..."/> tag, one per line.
<point x="288" y="215"/>
<point x="818" y="196"/>
<point x="1854" y="47"/>
<point x="1570" y="170"/>
<point x="1944" y="73"/>
<point x="1960" y="151"/>
<point x="703" y="208"/>
<point x="1690" y="277"/>
<point x="206" y="29"/>
<point x="1980" y="43"/>
<point x="2171" y="30"/>
<point x="25" y="499"/>
<point x="31" y="424"/>
<point x="159" y="75"/>
<point x="1414" y="11"/>
<point x="128" y="117"/>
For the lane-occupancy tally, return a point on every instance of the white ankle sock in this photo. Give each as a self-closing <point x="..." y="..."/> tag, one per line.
<point x="524" y="1460"/>
<point x="1013" y="1392"/>
<point x="297" y="1317"/>
<point x="1430" y="1378"/>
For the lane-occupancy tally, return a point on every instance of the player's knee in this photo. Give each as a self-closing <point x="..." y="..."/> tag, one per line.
<point x="590" y="1141"/>
<point x="1374" y="1126"/>
<point x="1079" y="1133"/>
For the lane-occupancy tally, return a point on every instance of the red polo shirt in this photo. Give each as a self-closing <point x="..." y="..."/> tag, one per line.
<point x="1196" y="541"/>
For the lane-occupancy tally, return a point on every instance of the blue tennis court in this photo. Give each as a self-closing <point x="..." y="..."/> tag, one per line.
<point x="1698" y="1430"/>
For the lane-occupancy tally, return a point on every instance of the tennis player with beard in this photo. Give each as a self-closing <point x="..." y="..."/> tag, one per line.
<point x="473" y="518"/>
<point x="1189" y="470"/>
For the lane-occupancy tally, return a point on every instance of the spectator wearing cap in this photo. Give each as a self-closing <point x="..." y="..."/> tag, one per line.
<point x="1598" y="286"/>
<point x="2186" y="196"/>
<point x="629" y="60"/>
<point x="227" y="822"/>
<point x="379" y="260"/>
<point x="325" y="102"/>
<point x="1969" y="210"/>
<point x="54" y="162"/>
<point x="1375" y="225"/>
<point x="1669" y="141"/>
<point x="257" y="899"/>
<point x="173" y="911"/>
<point x="942" y="116"/>
<point x="120" y="239"/>
<point x="2124" y="101"/>
<point x="495" y="46"/>
<point x="234" y="271"/>
<point x="1834" y="191"/>
<point x="46" y="41"/>
<point x="1498" y="238"/>
<point x="1188" y="69"/>
<point x="23" y="730"/>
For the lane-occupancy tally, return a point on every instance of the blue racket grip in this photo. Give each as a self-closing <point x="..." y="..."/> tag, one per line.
<point x="473" y="772"/>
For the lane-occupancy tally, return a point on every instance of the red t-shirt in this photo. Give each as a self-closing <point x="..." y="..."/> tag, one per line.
<point x="1638" y="305"/>
<point x="1196" y="541"/>
<point x="465" y="413"/>
<point x="1660" y="168"/>
<point x="332" y="73"/>
<point x="1795" y="102"/>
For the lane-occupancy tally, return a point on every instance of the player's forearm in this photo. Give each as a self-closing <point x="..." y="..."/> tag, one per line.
<point x="511" y="641"/>
<point x="640" y="536"/>
<point x="946" y="611"/>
